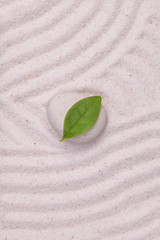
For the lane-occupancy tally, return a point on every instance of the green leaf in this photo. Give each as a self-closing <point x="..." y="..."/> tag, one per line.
<point x="81" y="117"/>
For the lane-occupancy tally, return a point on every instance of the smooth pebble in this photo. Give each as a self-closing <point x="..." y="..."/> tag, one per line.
<point x="58" y="107"/>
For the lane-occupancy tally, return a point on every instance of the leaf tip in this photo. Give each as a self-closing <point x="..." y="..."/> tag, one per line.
<point x="98" y="97"/>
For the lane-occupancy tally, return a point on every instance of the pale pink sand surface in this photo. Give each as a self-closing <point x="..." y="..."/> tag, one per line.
<point x="108" y="189"/>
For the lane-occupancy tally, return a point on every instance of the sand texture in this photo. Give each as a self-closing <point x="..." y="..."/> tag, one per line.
<point x="105" y="190"/>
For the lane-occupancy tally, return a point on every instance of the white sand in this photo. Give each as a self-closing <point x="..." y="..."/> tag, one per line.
<point x="108" y="189"/>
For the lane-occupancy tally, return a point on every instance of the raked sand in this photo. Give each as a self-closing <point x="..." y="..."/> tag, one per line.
<point x="108" y="189"/>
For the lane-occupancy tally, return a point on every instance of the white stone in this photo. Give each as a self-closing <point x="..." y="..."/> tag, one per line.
<point x="58" y="107"/>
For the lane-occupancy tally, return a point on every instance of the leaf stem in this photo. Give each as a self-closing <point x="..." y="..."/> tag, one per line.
<point x="62" y="140"/>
